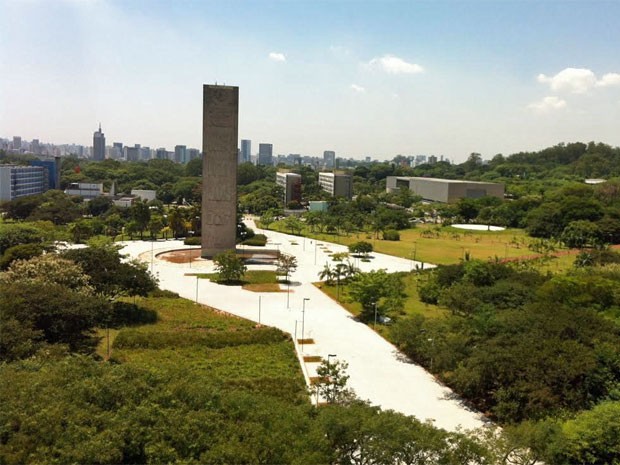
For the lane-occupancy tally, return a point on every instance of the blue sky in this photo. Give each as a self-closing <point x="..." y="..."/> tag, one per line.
<point x="372" y="78"/>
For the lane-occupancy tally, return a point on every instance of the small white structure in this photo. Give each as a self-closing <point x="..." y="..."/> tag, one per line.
<point x="85" y="190"/>
<point x="124" y="202"/>
<point x="144" y="194"/>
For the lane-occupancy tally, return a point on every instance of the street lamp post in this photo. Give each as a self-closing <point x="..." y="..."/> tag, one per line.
<point x="315" y="245"/>
<point x="152" y="245"/>
<point x="303" y="322"/>
<point x="197" y="288"/>
<point x="259" y="301"/>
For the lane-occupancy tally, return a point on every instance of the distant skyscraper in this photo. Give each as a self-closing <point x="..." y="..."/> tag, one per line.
<point x="35" y="147"/>
<point x="265" y="154"/>
<point x="132" y="153"/>
<point x="180" y="153"/>
<point x="193" y="153"/>
<point x="117" y="150"/>
<point x="161" y="153"/>
<point x="246" y="150"/>
<point x="17" y="143"/>
<point x="329" y="158"/>
<point x="98" y="145"/>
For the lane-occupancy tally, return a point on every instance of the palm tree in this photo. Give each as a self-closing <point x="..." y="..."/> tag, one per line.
<point x="327" y="274"/>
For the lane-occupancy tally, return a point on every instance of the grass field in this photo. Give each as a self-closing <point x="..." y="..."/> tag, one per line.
<point x="437" y="244"/>
<point x="223" y="350"/>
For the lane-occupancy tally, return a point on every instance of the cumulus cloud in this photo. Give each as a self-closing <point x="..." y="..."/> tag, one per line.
<point x="358" y="89"/>
<point x="609" y="79"/>
<point x="578" y="80"/>
<point x="275" y="56"/>
<point x="548" y="104"/>
<point x="394" y="65"/>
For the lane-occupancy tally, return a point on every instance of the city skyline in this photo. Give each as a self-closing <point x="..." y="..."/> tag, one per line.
<point x="359" y="78"/>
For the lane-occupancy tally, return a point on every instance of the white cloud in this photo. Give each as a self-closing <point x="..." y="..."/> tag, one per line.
<point x="578" y="80"/>
<point x="358" y="89"/>
<point x="275" y="56"/>
<point x="609" y="79"/>
<point x="548" y="104"/>
<point x="394" y="65"/>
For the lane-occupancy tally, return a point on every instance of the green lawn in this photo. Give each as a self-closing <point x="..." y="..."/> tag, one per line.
<point x="436" y="244"/>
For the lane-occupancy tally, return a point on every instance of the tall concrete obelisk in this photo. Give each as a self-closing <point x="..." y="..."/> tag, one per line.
<point x="220" y="124"/>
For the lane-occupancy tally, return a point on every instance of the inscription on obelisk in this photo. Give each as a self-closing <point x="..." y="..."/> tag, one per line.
<point x="219" y="170"/>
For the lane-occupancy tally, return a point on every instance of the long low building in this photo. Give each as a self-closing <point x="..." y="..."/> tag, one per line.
<point x="444" y="190"/>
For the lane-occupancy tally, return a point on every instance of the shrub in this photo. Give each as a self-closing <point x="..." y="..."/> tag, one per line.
<point x="136" y="339"/>
<point x="391" y="235"/>
<point x="258" y="240"/>
<point x="193" y="240"/>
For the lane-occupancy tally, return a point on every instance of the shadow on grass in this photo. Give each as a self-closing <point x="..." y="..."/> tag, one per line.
<point x="129" y="314"/>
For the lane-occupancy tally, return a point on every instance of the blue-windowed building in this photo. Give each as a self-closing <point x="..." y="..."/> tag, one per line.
<point x="21" y="181"/>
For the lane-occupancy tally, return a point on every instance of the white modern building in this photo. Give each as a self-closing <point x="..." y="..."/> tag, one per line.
<point x="444" y="190"/>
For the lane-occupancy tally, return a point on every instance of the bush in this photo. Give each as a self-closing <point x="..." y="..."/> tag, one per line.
<point x="196" y="240"/>
<point x="258" y="240"/>
<point x="391" y="235"/>
<point x="136" y="339"/>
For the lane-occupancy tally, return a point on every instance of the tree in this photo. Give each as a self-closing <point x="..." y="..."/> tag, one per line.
<point x="293" y="224"/>
<point x="592" y="436"/>
<point x="49" y="269"/>
<point x="377" y="291"/>
<point x="230" y="268"/>
<point x="141" y="214"/>
<point x="99" y="205"/>
<point x="156" y="224"/>
<point x="287" y="264"/>
<point x="331" y="384"/>
<point x="579" y="234"/>
<point x="109" y="274"/>
<point x="176" y="222"/>
<point x="20" y="252"/>
<point x="32" y="314"/>
<point x="80" y="230"/>
<point x="327" y="274"/>
<point x="361" y="247"/>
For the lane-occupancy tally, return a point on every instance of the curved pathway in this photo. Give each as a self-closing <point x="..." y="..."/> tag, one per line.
<point x="378" y="372"/>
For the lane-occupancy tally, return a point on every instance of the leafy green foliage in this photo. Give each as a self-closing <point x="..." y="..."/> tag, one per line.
<point x="230" y="267"/>
<point x="286" y="264"/>
<point x="518" y="344"/>
<point x="361" y="248"/>
<point x="33" y="314"/>
<point x="391" y="235"/>
<point x="111" y="276"/>
<point x="377" y="291"/>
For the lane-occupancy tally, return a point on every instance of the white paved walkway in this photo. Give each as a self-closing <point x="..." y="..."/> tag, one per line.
<point x="377" y="371"/>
